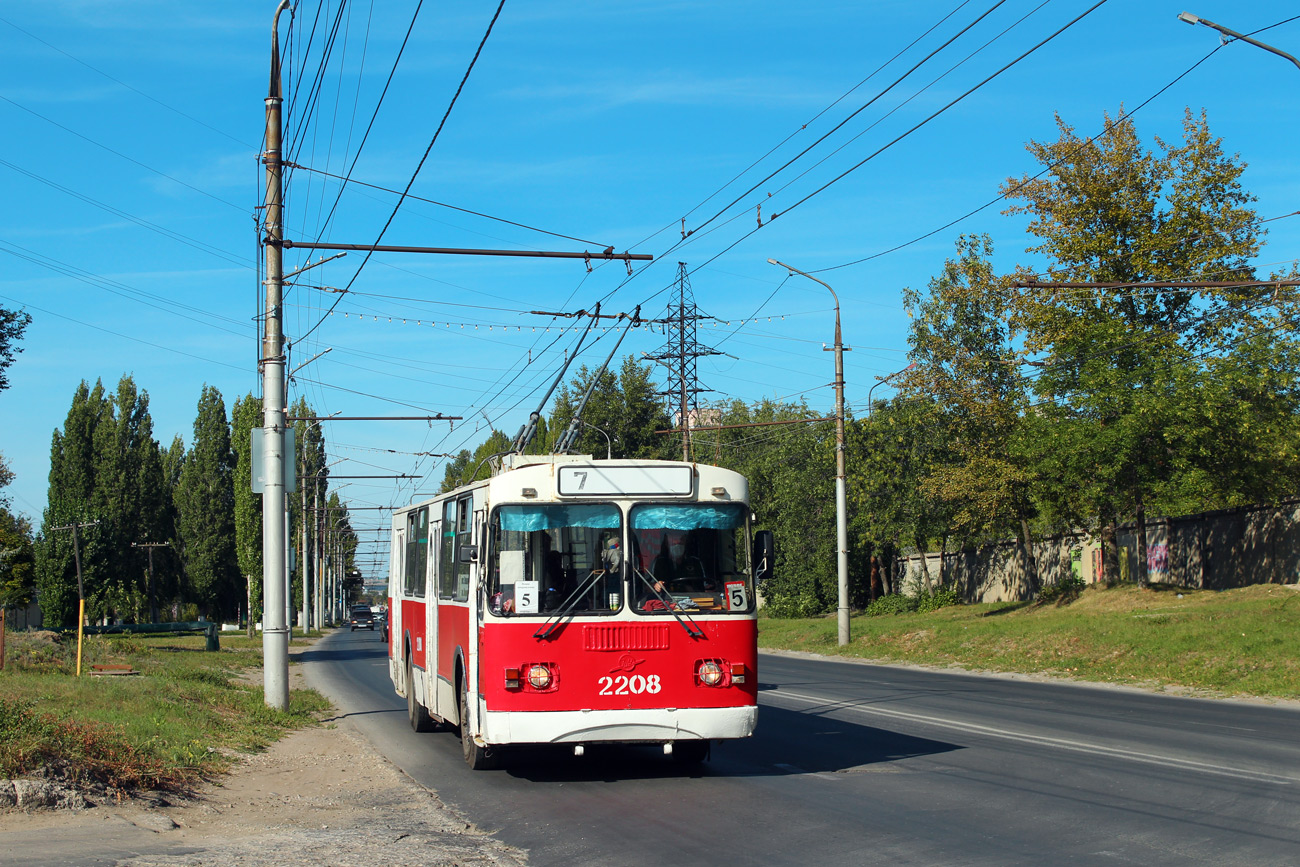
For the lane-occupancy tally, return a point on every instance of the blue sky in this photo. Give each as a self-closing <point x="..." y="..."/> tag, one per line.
<point x="128" y="167"/>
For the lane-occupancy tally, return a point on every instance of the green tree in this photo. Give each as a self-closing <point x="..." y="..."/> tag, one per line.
<point x="13" y="323"/>
<point x="1117" y="362"/>
<point x="17" y="566"/>
<point x="624" y="407"/>
<point x="71" y="487"/>
<point x="313" y="481"/>
<point x="245" y="416"/>
<point x="470" y="466"/>
<point x="791" y="471"/>
<point x="17" y="557"/>
<point x="104" y="467"/>
<point x="205" y="501"/>
<point x="891" y="453"/>
<point x="965" y="361"/>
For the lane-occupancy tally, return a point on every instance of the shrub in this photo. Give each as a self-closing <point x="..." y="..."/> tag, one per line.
<point x="893" y="603"/>
<point x="941" y="598"/>
<point x="793" y="606"/>
<point x="1064" y="591"/>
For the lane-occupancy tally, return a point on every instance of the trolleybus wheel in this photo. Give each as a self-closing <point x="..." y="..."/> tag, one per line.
<point x="475" y="756"/>
<point x="690" y="752"/>
<point x="416" y="712"/>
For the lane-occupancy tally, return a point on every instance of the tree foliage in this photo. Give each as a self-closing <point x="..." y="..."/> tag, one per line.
<point x="205" y="500"/>
<point x="104" y="467"/>
<point x="13" y="323"/>
<point x="245" y="416"/>
<point x="17" y="554"/>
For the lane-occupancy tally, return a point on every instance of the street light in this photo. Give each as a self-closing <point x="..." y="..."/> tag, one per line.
<point x="841" y="498"/>
<point x="880" y="379"/>
<point x="609" y="448"/>
<point x="1192" y="19"/>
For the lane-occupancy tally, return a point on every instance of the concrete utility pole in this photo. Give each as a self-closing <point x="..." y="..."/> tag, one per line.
<point x="153" y="600"/>
<point x="302" y="560"/>
<point x="841" y="496"/>
<point x="275" y="644"/>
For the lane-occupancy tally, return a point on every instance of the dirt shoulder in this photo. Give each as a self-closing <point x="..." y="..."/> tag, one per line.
<point x="321" y="796"/>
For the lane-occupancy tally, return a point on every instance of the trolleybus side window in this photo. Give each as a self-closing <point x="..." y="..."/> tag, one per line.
<point x="417" y="552"/>
<point x="691" y="557"/>
<point x="549" y="558"/>
<point x="464" y="530"/>
<point x="447" y="552"/>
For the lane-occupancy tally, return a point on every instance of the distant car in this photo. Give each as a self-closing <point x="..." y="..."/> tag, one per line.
<point x="361" y="618"/>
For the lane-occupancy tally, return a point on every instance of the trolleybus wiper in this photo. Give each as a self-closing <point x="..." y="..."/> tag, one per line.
<point x="667" y="600"/>
<point x="566" y="607"/>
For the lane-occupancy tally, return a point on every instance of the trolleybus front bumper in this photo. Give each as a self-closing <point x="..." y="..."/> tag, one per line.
<point x="626" y="726"/>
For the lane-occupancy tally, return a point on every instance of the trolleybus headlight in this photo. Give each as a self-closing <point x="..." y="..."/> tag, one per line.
<point x="709" y="673"/>
<point x="539" y="676"/>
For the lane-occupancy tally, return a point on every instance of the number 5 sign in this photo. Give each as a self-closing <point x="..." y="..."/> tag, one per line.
<point x="526" y="597"/>
<point x="737" y="596"/>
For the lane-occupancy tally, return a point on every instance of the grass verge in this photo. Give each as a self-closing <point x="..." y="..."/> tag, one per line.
<point x="184" y="718"/>
<point x="1236" y="642"/>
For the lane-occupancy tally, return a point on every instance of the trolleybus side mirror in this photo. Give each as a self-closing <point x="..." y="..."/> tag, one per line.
<point x="764" y="556"/>
<point x="468" y="553"/>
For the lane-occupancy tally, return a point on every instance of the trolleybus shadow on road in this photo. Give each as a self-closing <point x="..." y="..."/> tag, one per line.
<point x="786" y="742"/>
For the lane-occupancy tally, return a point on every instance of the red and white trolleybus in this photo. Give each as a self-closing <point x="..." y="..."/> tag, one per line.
<point x="572" y="601"/>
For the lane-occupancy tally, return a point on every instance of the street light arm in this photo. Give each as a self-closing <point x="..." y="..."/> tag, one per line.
<point x="810" y="277"/>
<point x="1189" y="18"/>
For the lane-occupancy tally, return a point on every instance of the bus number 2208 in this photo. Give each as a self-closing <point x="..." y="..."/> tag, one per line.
<point x="634" y="685"/>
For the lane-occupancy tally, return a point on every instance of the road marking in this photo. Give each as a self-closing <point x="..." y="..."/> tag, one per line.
<point x="1041" y="740"/>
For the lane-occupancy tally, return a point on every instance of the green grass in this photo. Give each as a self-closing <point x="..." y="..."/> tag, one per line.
<point x="1236" y="642"/>
<point x="183" y="718"/>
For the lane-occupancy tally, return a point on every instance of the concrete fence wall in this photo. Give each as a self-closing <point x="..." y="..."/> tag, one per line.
<point x="1211" y="550"/>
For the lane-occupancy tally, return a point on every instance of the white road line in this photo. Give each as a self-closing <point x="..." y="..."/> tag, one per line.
<point x="1024" y="737"/>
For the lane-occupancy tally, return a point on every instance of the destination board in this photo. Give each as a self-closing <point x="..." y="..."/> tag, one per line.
<point x="593" y="480"/>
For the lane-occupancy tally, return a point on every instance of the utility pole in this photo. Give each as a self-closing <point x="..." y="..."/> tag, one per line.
<point x="841" y="497"/>
<point x="275" y="646"/>
<point x="81" y="586"/>
<point x="153" y="600"/>
<point x="302" y="560"/>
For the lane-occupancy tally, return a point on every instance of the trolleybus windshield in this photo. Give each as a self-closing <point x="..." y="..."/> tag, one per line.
<point x="545" y="558"/>
<point x="690" y="557"/>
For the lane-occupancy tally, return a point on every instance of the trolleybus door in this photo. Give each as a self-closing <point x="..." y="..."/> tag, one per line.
<point x="431" y="657"/>
<point x="396" y="558"/>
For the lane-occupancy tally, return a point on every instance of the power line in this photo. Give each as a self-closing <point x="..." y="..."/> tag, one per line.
<point x="121" y="155"/>
<point x="347" y="180"/>
<point x="420" y="165"/>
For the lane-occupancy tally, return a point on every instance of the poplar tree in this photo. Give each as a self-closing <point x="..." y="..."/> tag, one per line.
<point x="71" y="494"/>
<point x="205" y="501"/>
<point x="245" y="416"/>
<point x="313" y="481"/>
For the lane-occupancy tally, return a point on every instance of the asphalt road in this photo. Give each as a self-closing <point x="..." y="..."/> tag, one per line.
<point x="861" y="764"/>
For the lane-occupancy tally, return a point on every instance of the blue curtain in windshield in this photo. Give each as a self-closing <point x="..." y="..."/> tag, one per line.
<point x="684" y="517"/>
<point x="528" y="519"/>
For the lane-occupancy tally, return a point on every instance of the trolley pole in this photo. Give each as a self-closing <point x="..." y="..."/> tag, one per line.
<point x="275" y="646"/>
